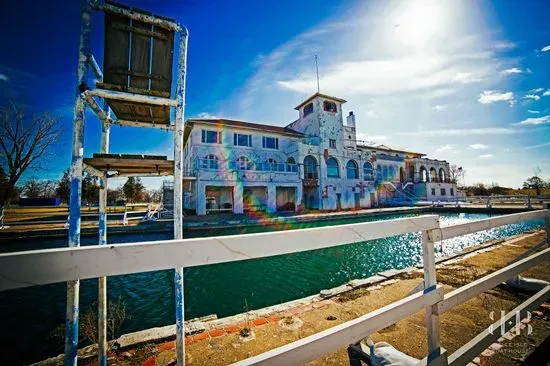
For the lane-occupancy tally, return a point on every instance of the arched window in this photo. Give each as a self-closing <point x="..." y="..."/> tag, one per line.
<point x="210" y="162"/>
<point x="423" y="174"/>
<point x="291" y="164"/>
<point x="433" y="175"/>
<point x="379" y="175"/>
<point x="352" y="171"/>
<point x="333" y="170"/>
<point x="310" y="167"/>
<point x="442" y="175"/>
<point x="243" y="163"/>
<point x="368" y="171"/>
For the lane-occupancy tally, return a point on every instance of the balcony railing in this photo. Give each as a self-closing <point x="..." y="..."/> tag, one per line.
<point x="41" y="267"/>
<point x="210" y="164"/>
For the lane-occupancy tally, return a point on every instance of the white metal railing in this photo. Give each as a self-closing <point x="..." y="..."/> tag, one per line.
<point x="212" y="164"/>
<point x="39" y="267"/>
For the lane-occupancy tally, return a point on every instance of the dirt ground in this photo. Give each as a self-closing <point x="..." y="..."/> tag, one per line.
<point x="457" y="326"/>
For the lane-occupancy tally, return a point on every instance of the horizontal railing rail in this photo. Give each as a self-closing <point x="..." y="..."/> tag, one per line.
<point x="66" y="264"/>
<point x="39" y="267"/>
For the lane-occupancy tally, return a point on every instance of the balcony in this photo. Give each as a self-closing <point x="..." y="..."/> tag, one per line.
<point x="220" y="165"/>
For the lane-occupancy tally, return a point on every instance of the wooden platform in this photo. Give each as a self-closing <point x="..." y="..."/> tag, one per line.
<point x="138" y="59"/>
<point x="131" y="165"/>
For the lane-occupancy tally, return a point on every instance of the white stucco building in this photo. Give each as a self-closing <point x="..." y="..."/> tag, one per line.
<point x="315" y="162"/>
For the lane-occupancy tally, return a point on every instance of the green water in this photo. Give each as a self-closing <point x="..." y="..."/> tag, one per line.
<point x="29" y="315"/>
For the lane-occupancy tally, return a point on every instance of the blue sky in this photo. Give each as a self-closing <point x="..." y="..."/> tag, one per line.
<point x="465" y="81"/>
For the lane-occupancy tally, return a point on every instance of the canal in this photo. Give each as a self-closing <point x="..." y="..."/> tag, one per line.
<point x="29" y="316"/>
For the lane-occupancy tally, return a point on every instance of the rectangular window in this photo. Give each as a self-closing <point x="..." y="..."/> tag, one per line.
<point x="308" y="109"/>
<point x="211" y="137"/>
<point x="443" y="192"/>
<point x="433" y="191"/>
<point x="242" y="140"/>
<point x="270" y="142"/>
<point x="452" y="191"/>
<point x="332" y="143"/>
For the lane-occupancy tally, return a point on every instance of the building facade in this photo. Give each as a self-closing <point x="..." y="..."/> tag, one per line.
<point x="315" y="162"/>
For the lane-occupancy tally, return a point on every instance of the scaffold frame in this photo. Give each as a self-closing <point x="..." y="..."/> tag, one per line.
<point x="86" y="96"/>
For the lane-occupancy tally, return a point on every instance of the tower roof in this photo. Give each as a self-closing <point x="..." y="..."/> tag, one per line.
<point x="334" y="99"/>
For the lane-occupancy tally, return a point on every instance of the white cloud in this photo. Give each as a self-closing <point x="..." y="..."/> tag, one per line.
<point x="534" y="121"/>
<point x="546" y="93"/>
<point x="4" y="77"/>
<point x="466" y="78"/>
<point x="486" y="156"/>
<point x="536" y="91"/>
<point x="544" y="49"/>
<point x="463" y="132"/>
<point x="504" y="45"/>
<point x="445" y="148"/>
<point x="492" y="96"/>
<point x="207" y="115"/>
<point x="536" y="146"/>
<point x="531" y="96"/>
<point x="532" y="111"/>
<point x="439" y="107"/>
<point x="478" y="147"/>
<point x="366" y="137"/>
<point x="514" y="70"/>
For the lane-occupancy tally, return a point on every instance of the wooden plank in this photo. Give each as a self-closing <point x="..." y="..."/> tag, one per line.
<point x="474" y="288"/>
<point x="117" y="43"/>
<point x="131" y="97"/>
<point x="345" y="334"/>
<point x="163" y="55"/>
<point x="485" y="224"/>
<point x="63" y="264"/>
<point x="483" y="340"/>
<point x="153" y="93"/>
<point x="141" y="55"/>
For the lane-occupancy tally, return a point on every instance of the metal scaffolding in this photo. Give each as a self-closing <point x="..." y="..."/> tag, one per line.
<point x="136" y="85"/>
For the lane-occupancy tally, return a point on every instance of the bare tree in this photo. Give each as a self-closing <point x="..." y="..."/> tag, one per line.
<point x="24" y="143"/>
<point x="457" y="173"/>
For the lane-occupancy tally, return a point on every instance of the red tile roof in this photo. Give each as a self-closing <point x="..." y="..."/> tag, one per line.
<point x="243" y="124"/>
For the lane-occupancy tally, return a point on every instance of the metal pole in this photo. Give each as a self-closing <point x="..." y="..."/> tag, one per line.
<point x="73" y="287"/>
<point x="430" y="282"/>
<point x="178" y="192"/>
<point x="102" y="290"/>
<point x="546" y="206"/>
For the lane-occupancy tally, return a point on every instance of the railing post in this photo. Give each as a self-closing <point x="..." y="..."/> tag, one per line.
<point x="73" y="287"/>
<point x="430" y="282"/>
<point x="178" y="193"/>
<point x="546" y="206"/>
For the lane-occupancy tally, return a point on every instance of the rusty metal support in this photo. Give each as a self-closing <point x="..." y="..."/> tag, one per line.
<point x="178" y="192"/>
<point x="73" y="287"/>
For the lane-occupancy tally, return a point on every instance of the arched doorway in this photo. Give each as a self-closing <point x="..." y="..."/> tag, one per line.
<point x="442" y="175"/>
<point x="310" y="168"/>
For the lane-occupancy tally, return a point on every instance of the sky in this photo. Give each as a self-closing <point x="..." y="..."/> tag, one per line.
<point x="464" y="81"/>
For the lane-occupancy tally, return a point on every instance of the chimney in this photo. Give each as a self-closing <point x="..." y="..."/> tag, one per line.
<point x="350" y="120"/>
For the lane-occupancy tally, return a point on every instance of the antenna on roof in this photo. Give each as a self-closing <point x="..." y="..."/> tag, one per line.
<point x="317" y="69"/>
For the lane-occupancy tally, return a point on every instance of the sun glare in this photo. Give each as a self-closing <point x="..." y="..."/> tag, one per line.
<point x="419" y="22"/>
